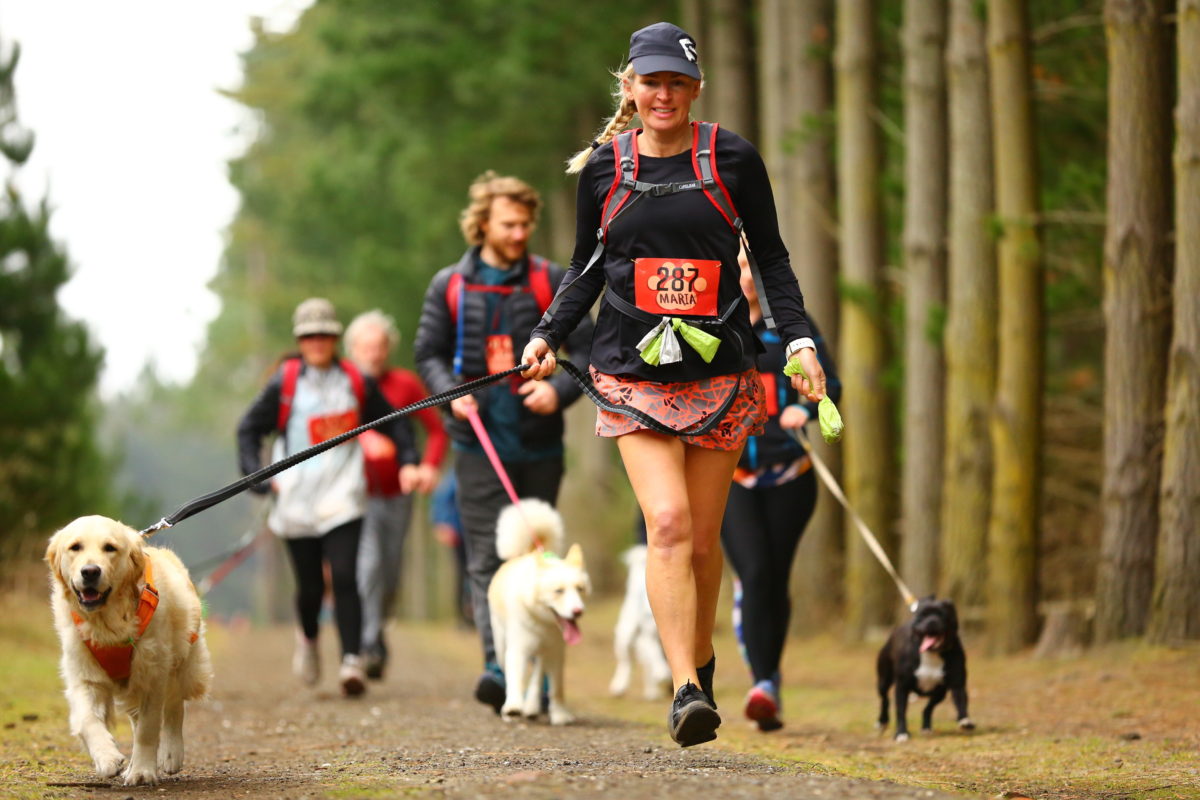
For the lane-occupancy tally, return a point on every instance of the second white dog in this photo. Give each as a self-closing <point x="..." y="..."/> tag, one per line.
<point x="636" y="635"/>
<point x="536" y="599"/>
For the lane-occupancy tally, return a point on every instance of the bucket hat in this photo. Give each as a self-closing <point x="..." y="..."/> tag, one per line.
<point x="315" y="316"/>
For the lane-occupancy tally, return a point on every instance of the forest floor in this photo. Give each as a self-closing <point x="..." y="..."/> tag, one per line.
<point x="1117" y="723"/>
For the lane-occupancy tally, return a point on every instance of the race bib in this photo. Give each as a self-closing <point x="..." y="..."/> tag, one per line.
<point x="500" y="354"/>
<point x="768" y="379"/>
<point x="672" y="286"/>
<point x="327" y="426"/>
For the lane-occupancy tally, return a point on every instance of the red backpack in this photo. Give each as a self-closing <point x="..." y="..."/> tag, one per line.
<point x="539" y="287"/>
<point x="456" y="293"/>
<point x="626" y="189"/>
<point x="291" y="373"/>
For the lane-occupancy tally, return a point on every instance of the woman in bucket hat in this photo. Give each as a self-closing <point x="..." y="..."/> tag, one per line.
<point x="320" y="502"/>
<point x="667" y="202"/>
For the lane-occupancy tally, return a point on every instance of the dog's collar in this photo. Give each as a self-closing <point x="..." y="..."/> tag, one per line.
<point x="117" y="659"/>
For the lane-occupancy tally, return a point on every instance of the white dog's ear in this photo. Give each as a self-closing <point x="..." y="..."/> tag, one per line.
<point x="575" y="556"/>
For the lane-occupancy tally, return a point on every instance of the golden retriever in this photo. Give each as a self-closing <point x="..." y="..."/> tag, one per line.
<point x="99" y="569"/>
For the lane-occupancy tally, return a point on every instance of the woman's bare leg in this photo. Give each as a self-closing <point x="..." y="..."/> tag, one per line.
<point x="708" y="474"/>
<point x="655" y="466"/>
<point x="682" y="492"/>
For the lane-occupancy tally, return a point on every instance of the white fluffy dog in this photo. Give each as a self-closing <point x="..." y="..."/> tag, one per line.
<point x="636" y="635"/>
<point x="536" y="599"/>
<point x="132" y="635"/>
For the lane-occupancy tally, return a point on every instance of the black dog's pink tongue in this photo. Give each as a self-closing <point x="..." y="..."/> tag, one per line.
<point x="930" y="642"/>
<point x="570" y="631"/>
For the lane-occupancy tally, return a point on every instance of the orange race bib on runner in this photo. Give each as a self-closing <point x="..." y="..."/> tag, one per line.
<point x="670" y="286"/>
<point x="327" y="426"/>
<point x="500" y="354"/>
<point x="768" y="379"/>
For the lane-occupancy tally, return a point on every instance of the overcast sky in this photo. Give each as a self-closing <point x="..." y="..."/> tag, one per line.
<point x="132" y="140"/>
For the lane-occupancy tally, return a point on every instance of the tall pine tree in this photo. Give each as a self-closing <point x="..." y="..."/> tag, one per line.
<point x="51" y="468"/>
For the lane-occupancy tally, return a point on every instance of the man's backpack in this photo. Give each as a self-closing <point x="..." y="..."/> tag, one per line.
<point x="457" y="288"/>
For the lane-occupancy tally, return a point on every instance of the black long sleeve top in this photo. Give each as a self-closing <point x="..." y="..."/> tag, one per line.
<point x="684" y="225"/>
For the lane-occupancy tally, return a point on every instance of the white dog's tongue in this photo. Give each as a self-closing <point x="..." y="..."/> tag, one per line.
<point x="570" y="631"/>
<point x="930" y="642"/>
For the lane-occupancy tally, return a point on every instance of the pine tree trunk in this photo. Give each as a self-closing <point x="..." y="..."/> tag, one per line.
<point x="1176" y="607"/>
<point x="970" y="340"/>
<point x="730" y="45"/>
<point x="925" y="287"/>
<point x="775" y="92"/>
<point x="805" y="200"/>
<point x="1016" y="420"/>
<point x="1137" y="311"/>
<point x="868" y="446"/>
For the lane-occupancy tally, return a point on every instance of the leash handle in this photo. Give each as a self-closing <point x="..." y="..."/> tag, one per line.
<point x="872" y="543"/>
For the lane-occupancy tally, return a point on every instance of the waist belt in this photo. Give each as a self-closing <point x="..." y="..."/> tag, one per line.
<point x="660" y="346"/>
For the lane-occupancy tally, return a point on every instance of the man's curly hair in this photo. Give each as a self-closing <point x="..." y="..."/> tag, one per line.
<point x="486" y="188"/>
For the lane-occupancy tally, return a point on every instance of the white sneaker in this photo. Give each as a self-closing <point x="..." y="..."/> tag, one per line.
<point x="306" y="662"/>
<point x="352" y="676"/>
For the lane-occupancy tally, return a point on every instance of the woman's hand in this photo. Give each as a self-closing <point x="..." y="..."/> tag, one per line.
<point x="539" y="354"/>
<point x="811" y="383"/>
<point x="793" y="417"/>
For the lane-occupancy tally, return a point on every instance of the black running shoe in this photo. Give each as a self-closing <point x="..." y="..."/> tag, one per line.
<point x="692" y="720"/>
<point x="490" y="690"/>
<point x="374" y="662"/>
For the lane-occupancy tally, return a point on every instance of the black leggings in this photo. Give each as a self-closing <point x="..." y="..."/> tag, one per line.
<point x="340" y="548"/>
<point x="760" y="532"/>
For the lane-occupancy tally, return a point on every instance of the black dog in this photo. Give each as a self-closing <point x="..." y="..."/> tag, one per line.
<point x="924" y="655"/>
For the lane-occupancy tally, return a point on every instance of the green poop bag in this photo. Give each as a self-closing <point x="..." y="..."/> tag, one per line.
<point x="827" y="413"/>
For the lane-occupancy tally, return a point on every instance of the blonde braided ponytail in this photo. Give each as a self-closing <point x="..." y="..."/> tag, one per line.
<point x="621" y="118"/>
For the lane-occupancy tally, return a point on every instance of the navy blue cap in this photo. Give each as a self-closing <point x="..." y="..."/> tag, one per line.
<point x="663" y="47"/>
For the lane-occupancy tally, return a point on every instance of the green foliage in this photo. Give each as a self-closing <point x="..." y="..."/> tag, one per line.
<point x="371" y="125"/>
<point x="51" y="470"/>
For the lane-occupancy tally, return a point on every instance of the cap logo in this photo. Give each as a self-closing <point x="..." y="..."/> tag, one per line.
<point x="689" y="49"/>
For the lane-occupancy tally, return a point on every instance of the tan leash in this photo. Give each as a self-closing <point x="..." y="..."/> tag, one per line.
<point x="831" y="484"/>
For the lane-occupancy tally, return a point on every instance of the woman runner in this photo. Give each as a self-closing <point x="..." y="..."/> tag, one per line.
<point x="673" y="336"/>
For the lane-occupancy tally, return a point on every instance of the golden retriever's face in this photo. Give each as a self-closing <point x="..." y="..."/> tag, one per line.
<point x="94" y="555"/>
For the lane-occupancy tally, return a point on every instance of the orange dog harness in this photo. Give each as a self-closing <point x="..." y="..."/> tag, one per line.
<point x="117" y="659"/>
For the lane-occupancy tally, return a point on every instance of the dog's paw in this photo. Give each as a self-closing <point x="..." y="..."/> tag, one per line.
<point x="561" y="716"/>
<point x="109" y="764"/>
<point x="510" y="712"/>
<point x="140" y="775"/>
<point x="901" y="737"/>
<point x="170" y="757"/>
<point x="965" y="724"/>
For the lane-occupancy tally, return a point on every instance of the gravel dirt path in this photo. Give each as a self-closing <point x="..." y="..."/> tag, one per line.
<point x="419" y="733"/>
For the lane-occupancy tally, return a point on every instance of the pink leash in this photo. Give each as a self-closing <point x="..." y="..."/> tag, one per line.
<point x="485" y="440"/>
<point x="493" y="457"/>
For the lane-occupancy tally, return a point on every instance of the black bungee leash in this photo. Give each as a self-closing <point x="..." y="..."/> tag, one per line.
<point x="582" y="378"/>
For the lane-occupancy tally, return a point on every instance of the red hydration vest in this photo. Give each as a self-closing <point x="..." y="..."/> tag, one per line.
<point x="291" y="374"/>
<point x="539" y="287"/>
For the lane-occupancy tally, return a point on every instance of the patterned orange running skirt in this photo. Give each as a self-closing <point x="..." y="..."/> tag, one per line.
<point x="686" y="405"/>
